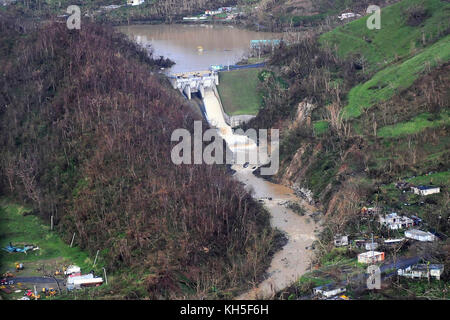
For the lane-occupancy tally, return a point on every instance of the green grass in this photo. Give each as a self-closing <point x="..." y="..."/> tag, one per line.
<point x="310" y="278"/>
<point x="413" y="289"/>
<point x="299" y="20"/>
<point x="386" y="83"/>
<point x="417" y="124"/>
<point x="320" y="127"/>
<point x="438" y="178"/>
<point x="239" y="92"/>
<point x="395" y="39"/>
<point x="20" y="229"/>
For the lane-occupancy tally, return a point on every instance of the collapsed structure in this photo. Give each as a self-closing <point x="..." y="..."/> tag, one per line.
<point x="420" y="235"/>
<point x="422" y="271"/>
<point x="395" y="222"/>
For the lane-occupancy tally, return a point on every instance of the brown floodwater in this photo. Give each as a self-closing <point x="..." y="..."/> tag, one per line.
<point x="196" y="47"/>
<point x="222" y="45"/>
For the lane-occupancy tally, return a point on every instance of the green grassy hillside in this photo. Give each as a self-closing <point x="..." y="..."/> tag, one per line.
<point x="396" y="77"/>
<point x="239" y="91"/>
<point x="398" y="37"/>
<point x="381" y="115"/>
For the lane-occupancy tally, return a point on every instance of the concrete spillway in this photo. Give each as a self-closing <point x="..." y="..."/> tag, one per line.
<point x="215" y="117"/>
<point x="204" y="83"/>
<point x="191" y="82"/>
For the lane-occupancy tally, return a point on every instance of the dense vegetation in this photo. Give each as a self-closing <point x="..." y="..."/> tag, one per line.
<point x="371" y="108"/>
<point x="150" y="11"/>
<point x="292" y="14"/>
<point x="261" y="14"/>
<point x="86" y="126"/>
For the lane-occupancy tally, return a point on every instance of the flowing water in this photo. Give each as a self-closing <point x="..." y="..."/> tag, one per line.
<point x="222" y="45"/>
<point x="294" y="259"/>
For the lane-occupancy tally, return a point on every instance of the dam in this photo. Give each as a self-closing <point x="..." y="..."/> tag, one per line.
<point x="192" y="82"/>
<point x="205" y="84"/>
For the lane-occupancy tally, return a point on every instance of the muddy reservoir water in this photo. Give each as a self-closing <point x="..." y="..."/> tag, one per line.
<point x="222" y="45"/>
<point x="196" y="47"/>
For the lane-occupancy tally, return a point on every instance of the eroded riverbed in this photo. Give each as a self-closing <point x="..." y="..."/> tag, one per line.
<point x="294" y="258"/>
<point x="224" y="45"/>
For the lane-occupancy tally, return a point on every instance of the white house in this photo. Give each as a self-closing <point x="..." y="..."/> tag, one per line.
<point x="419" y="235"/>
<point x="425" y="190"/>
<point x="422" y="271"/>
<point x="135" y="2"/>
<point x="348" y="15"/>
<point x="340" y="241"/>
<point x="212" y="12"/>
<point x="328" y="290"/>
<point x="394" y="222"/>
<point x="370" y="257"/>
<point x="393" y="241"/>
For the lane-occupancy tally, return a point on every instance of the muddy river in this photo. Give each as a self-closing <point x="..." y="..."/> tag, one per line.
<point x="196" y="48"/>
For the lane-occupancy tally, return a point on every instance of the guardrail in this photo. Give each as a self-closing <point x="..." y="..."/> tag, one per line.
<point x="238" y="67"/>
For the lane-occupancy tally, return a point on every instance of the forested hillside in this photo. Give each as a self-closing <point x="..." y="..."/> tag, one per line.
<point x="150" y="10"/>
<point x="369" y="109"/>
<point x="85" y="136"/>
<point x="288" y="14"/>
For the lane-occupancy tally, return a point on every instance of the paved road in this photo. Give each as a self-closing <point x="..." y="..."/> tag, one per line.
<point x="400" y="264"/>
<point x="239" y="67"/>
<point x="362" y="277"/>
<point x="34" y="280"/>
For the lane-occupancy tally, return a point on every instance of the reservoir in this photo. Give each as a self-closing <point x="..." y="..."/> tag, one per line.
<point x="196" y="47"/>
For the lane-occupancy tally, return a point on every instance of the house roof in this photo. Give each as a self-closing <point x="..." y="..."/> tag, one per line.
<point x="423" y="266"/>
<point x="370" y="253"/>
<point x="426" y="187"/>
<point x="418" y="232"/>
<point x="329" y="287"/>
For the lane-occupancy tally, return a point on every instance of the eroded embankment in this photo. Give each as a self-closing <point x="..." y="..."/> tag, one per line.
<point x="294" y="258"/>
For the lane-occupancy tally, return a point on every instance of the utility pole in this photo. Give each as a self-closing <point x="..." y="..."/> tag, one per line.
<point x="373" y="252"/>
<point x="95" y="260"/>
<point x="106" y="279"/>
<point x="57" y="283"/>
<point x="73" y="237"/>
<point x="51" y="223"/>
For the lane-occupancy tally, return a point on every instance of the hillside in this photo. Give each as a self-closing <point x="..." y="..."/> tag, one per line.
<point x="292" y="14"/>
<point x="84" y="117"/>
<point x="370" y="109"/>
<point x="151" y="11"/>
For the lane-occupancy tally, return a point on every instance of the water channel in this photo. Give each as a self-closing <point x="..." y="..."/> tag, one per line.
<point x="196" y="48"/>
